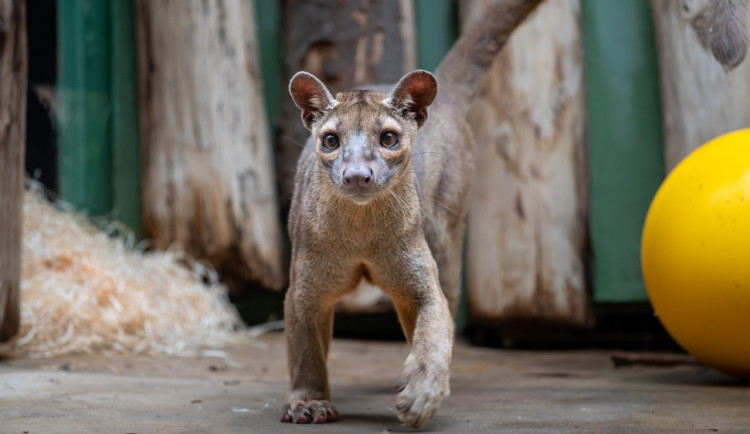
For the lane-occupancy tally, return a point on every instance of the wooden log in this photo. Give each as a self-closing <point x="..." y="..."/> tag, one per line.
<point x="701" y="99"/>
<point x="345" y="44"/>
<point x="13" y="79"/>
<point x="208" y="179"/>
<point x="527" y="222"/>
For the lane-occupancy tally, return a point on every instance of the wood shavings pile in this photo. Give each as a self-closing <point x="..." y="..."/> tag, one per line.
<point x="83" y="291"/>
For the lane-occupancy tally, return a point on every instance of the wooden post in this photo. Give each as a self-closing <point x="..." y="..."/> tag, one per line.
<point x="208" y="179"/>
<point x="700" y="98"/>
<point x="527" y="222"/>
<point x="13" y="67"/>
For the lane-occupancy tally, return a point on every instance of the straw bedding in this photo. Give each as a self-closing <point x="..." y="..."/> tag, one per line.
<point x="83" y="291"/>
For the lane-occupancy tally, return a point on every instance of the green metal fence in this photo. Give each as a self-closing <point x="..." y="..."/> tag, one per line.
<point x="625" y="149"/>
<point x="98" y="122"/>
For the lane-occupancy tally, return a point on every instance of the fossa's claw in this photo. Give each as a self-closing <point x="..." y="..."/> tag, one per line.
<point x="287" y="416"/>
<point x="315" y="411"/>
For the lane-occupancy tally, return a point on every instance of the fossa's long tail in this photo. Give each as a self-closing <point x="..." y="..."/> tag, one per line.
<point x="461" y="71"/>
<point x="721" y="28"/>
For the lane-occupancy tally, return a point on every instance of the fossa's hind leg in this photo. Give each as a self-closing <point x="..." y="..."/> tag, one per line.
<point x="449" y="256"/>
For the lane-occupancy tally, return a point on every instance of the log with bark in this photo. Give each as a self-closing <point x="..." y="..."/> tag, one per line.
<point x="345" y="44"/>
<point x="527" y="221"/>
<point x="701" y="98"/>
<point x="208" y="179"/>
<point x="13" y="79"/>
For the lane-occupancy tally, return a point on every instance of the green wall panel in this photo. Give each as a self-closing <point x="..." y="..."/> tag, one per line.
<point x="99" y="158"/>
<point x="268" y="21"/>
<point x="437" y="29"/>
<point x="626" y="157"/>
<point x="85" y="107"/>
<point x="126" y="185"/>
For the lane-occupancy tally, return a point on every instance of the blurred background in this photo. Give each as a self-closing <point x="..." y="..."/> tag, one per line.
<point x="173" y="117"/>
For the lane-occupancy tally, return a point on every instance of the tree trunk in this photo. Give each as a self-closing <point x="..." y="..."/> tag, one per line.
<point x="345" y="44"/>
<point x="13" y="67"/>
<point x="700" y="99"/>
<point x="208" y="180"/>
<point x="527" y="221"/>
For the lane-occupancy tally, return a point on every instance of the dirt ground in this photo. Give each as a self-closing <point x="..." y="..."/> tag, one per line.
<point x="492" y="390"/>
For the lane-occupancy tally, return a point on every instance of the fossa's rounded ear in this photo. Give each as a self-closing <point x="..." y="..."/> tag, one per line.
<point x="413" y="94"/>
<point x="310" y="96"/>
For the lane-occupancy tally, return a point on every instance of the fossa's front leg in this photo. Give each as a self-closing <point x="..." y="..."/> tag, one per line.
<point x="428" y="326"/>
<point x="308" y="320"/>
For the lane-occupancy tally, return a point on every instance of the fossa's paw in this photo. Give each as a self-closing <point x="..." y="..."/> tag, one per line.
<point x="315" y="411"/>
<point x="421" y="393"/>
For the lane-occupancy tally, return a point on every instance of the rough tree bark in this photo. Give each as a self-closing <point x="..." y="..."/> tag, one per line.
<point x="527" y="221"/>
<point x="208" y="179"/>
<point x="345" y="44"/>
<point x="13" y="67"/>
<point x="700" y="98"/>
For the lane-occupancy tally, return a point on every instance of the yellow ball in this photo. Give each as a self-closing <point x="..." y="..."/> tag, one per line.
<point x="695" y="253"/>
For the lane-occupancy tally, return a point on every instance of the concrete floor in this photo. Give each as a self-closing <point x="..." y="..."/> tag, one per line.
<point x="493" y="390"/>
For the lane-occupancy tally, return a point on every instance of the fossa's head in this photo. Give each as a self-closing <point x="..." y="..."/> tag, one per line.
<point x="364" y="138"/>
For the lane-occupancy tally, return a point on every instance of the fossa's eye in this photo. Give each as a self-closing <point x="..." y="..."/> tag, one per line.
<point x="330" y="142"/>
<point x="389" y="139"/>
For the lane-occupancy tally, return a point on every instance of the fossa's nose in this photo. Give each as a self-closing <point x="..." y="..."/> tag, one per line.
<point x="357" y="177"/>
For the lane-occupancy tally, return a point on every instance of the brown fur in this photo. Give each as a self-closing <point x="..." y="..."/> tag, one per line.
<point x="403" y="231"/>
<point x="401" y="228"/>
<point x="720" y="26"/>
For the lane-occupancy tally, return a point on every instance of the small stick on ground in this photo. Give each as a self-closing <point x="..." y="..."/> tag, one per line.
<point x="621" y="359"/>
